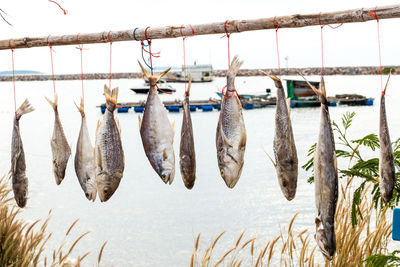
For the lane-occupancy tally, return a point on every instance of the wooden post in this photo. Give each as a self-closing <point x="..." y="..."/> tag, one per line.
<point x="293" y="21"/>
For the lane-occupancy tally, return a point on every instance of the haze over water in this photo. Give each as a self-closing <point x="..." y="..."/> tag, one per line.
<point x="148" y="223"/>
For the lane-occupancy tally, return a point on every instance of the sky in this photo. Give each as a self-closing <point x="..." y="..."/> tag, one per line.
<point x="352" y="44"/>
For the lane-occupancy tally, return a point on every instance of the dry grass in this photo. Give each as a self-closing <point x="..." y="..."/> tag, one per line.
<point x="292" y="248"/>
<point x="22" y="244"/>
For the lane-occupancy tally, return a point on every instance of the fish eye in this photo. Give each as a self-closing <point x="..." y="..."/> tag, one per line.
<point x="284" y="183"/>
<point x="106" y="190"/>
<point x="222" y="172"/>
<point x="163" y="176"/>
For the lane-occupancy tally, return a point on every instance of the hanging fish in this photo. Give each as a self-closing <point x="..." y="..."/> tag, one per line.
<point x="386" y="160"/>
<point x="18" y="167"/>
<point x="325" y="178"/>
<point x="231" y="132"/>
<point x="286" y="164"/>
<point x="157" y="132"/>
<point x="59" y="145"/>
<point x="109" y="154"/>
<point x="186" y="153"/>
<point x="84" y="159"/>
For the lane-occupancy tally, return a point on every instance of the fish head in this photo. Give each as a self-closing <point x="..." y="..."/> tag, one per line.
<point x="167" y="171"/>
<point x="230" y="169"/>
<point x="326" y="241"/>
<point x="107" y="184"/>
<point x="288" y="183"/>
<point x="91" y="190"/>
<point x="21" y="193"/>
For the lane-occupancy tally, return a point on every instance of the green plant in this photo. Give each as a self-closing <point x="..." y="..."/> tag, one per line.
<point x="384" y="260"/>
<point x="367" y="169"/>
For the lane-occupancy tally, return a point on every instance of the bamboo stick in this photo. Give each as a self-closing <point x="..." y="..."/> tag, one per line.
<point x="231" y="26"/>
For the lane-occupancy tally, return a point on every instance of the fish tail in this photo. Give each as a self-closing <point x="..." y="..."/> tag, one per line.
<point x="387" y="82"/>
<point x="81" y="108"/>
<point x="277" y="81"/>
<point x="25" y="108"/>
<point x="111" y="97"/>
<point x="162" y="74"/>
<point x="187" y="91"/>
<point x="55" y="103"/>
<point x="322" y="92"/>
<point x="234" y="67"/>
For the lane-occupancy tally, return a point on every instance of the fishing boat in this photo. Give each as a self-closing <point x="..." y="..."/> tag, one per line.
<point x="301" y="95"/>
<point x="198" y="73"/>
<point x="163" y="87"/>
<point x="251" y="96"/>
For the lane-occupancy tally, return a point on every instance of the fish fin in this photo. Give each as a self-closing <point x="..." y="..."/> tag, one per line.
<point x="387" y="82"/>
<point x="144" y="70"/>
<point x="321" y="92"/>
<point x="118" y="127"/>
<point x="224" y="136"/>
<point x="162" y="74"/>
<point x="288" y="105"/>
<point x="273" y="162"/>
<point x="53" y="104"/>
<point x="111" y="97"/>
<point x="187" y="91"/>
<point x="322" y="87"/>
<point x="81" y="107"/>
<point x="235" y="66"/>
<point x="242" y="143"/>
<point x="25" y="108"/>
<point x="165" y="154"/>
<point x="140" y="122"/>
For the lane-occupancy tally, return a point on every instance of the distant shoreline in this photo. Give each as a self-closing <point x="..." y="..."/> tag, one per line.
<point x="366" y="70"/>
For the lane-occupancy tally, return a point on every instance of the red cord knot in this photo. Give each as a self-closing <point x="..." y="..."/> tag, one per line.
<point x="10" y="45"/>
<point x="373" y="13"/>
<point x="224" y="90"/>
<point x="276" y="26"/>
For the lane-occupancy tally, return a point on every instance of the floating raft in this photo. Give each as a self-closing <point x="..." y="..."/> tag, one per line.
<point x="253" y="103"/>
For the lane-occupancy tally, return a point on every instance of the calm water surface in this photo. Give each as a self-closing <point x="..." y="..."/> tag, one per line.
<point x="148" y="223"/>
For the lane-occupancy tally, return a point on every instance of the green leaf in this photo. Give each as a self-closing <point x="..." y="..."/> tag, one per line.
<point x="355" y="205"/>
<point x="310" y="180"/>
<point x="371" y="141"/>
<point x="383" y="260"/>
<point x="347" y="119"/>
<point x="342" y="154"/>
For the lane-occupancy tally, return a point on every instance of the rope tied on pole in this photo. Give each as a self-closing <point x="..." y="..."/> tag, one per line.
<point x="13" y="78"/>
<point x="373" y="14"/>
<point x="184" y="53"/>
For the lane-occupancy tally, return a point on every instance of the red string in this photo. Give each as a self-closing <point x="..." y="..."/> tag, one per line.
<point x="322" y="40"/>
<point x="379" y="45"/>
<point x="80" y="47"/>
<point x="64" y="10"/>
<point x="52" y="65"/>
<point x="227" y="35"/>
<point x="12" y="61"/>
<point x="277" y="47"/>
<point x="184" y="54"/>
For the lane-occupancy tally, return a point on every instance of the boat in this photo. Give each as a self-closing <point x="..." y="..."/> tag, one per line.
<point x="198" y="73"/>
<point x="301" y="95"/>
<point x="163" y="87"/>
<point x="251" y="96"/>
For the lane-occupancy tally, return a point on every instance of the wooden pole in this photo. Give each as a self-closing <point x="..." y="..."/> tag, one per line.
<point x="231" y="26"/>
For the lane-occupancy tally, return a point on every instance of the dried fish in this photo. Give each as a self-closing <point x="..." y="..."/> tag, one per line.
<point x="157" y="132"/>
<point x="286" y="162"/>
<point x="187" y="153"/>
<point x="59" y="145"/>
<point x="231" y="132"/>
<point x="18" y="166"/>
<point x="386" y="159"/>
<point x="325" y="179"/>
<point x="84" y="159"/>
<point x="109" y="154"/>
